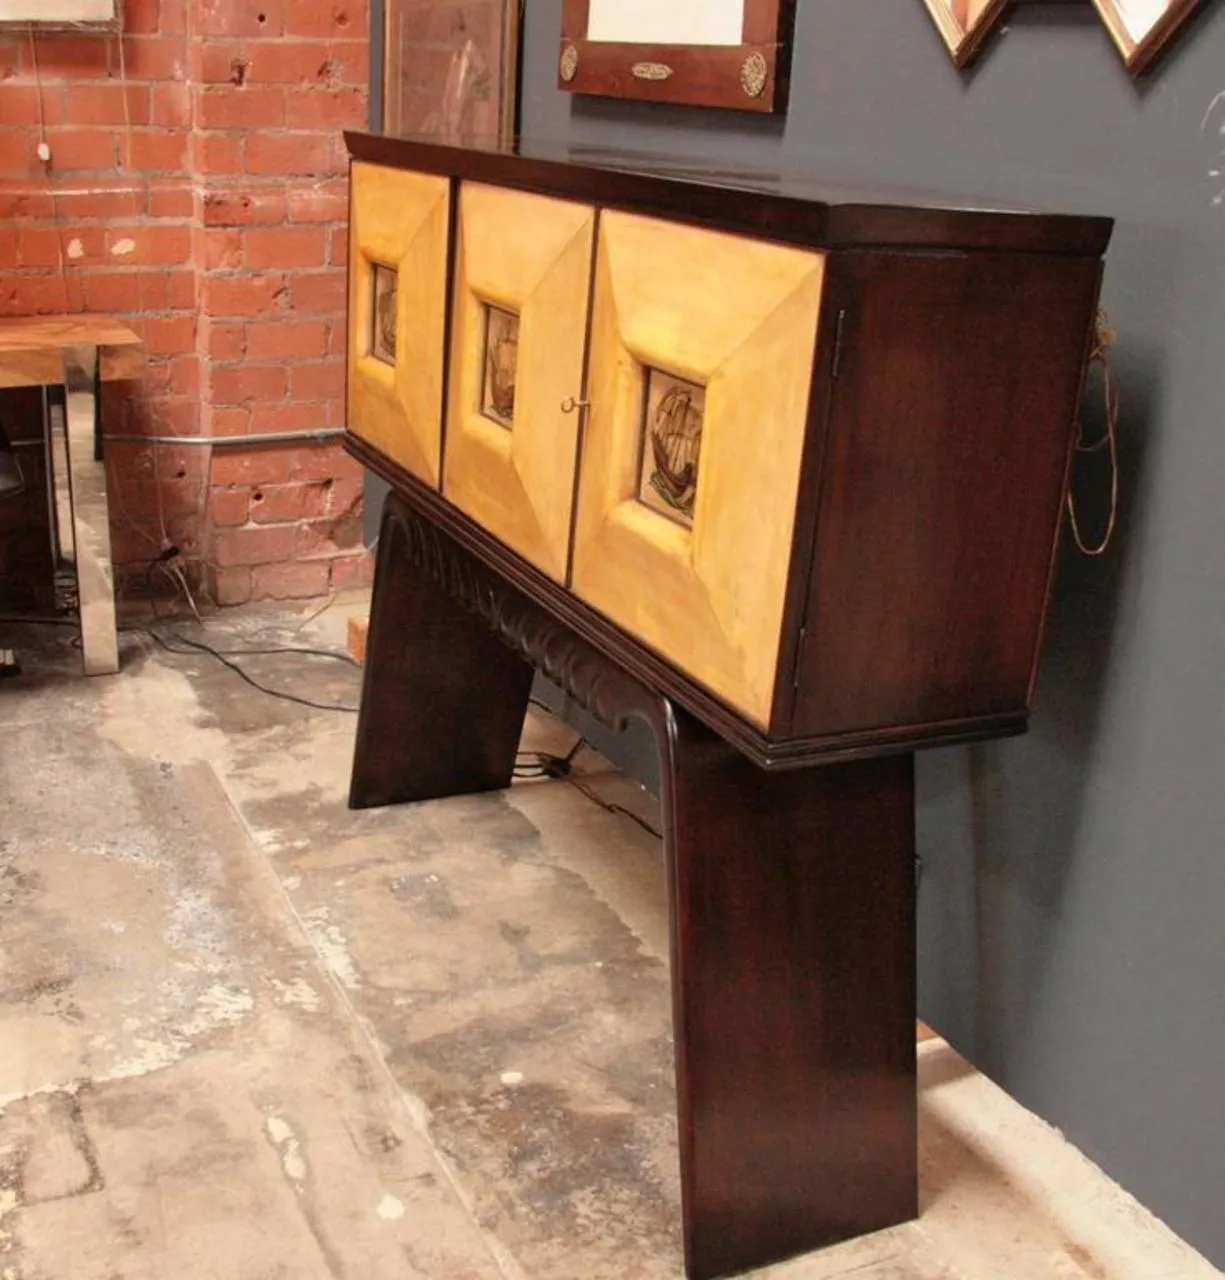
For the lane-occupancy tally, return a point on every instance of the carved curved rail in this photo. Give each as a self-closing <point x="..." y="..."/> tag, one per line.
<point x="599" y="686"/>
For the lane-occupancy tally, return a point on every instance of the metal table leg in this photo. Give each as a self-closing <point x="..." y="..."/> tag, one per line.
<point x="91" y="529"/>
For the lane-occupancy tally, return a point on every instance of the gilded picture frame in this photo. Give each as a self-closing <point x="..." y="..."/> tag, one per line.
<point x="964" y="25"/>
<point x="1140" y="29"/>
<point x="1141" y="37"/>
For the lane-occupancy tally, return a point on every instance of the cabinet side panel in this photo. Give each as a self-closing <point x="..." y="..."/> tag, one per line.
<point x="943" y="485"/>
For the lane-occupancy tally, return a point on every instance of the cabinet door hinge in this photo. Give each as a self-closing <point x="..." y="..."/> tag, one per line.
<point x="799" y="658"/>
<point x="839" y="327"/>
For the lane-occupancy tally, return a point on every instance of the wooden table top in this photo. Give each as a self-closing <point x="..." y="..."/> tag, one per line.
<point x="32" y="348"/>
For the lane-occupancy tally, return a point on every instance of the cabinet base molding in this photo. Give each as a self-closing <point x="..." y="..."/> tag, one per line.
<point x="767" y="752"/>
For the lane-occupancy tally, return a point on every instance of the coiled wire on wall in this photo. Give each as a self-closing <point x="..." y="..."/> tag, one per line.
<point x="1104" y="339"/>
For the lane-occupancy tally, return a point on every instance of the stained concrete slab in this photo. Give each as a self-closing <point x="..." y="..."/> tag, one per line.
<point x="522" y="1011"/>
<point x="245" y="1032"/>
<point x="181" y="1092"/>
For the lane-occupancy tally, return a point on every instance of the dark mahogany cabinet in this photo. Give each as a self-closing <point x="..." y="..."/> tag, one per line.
<point x="781" y="472"/>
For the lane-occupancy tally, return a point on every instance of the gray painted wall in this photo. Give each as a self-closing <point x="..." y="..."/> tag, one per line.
<point x="1073" y="896"/>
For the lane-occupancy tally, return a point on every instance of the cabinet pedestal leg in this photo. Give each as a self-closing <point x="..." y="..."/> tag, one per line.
<point x="793" y="953"/>
<point x="443" y="699"/>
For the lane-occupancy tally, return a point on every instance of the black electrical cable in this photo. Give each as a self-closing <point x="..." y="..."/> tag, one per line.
<point x="539" y="765"/>
<point x="225" y="659"/>
<point x="607" y="805"/>
<point x="561" y="768"/>
<point x="335" y="654"/>
<point x="545" y="765"/>
<point x="223" y="656"/>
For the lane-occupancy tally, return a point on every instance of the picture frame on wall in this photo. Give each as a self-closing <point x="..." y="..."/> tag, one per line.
<point x="451" y="70"/>
<point x="1141" y="29"/>
<point x="734" y="54"/>
<point x="965" y="24"/>
<point x="59" y="13"/>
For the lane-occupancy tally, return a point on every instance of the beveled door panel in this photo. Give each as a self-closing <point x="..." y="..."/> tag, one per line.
<point x="399" y="224"/>
<point x="701" y="360"/>
<point x="521" y="291"/>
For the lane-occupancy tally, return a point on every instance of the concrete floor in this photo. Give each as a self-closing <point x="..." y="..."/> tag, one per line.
<point x="245" y="1033"/>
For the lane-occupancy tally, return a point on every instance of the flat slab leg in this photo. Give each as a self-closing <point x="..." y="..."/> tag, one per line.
<point x="91" y="526"/>
<point x="793" y="937"/>
<point x="443" y="700"/>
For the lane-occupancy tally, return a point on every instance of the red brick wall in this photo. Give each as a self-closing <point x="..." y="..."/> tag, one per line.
<point x="196" y="187"/>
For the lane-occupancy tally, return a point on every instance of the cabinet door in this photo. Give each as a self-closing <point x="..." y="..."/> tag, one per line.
<point x="398" y="227"/>
<point x="522" y="284"/>
<point x="700" y="368"/>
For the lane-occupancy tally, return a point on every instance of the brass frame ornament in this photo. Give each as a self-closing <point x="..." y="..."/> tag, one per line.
<point x="568" y="66"/>
<point x="754" y="74"/>
<point x="651" y="71"/>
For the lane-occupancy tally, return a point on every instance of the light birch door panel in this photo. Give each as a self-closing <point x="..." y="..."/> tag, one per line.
<point x="399" y="230"/>
<point x="521" y="293"/>
<point x="699" y="379"/>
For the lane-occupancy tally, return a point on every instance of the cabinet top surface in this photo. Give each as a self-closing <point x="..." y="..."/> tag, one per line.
<point x="795" y="207"/>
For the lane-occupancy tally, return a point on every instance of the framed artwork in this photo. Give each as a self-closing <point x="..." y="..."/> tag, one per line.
<point x="671" y="445"/>
<point x="57" y="12"/>
<point x="384" y="324"/>
<point x="501" y="365"/>
<point x="965" y="24"/>
<point x="451" y="70"/>
<point x="710" y="53"/>
<point x="1140" y="29"/>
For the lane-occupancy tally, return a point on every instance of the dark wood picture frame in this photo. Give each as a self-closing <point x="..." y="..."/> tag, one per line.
<point x="750" y="76"/>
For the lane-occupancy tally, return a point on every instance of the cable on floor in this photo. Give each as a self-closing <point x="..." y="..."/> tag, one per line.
<point x="609" y="807"/>
<point x="336" y="654"/>
<point x="529" y="765"/>
<point x="541" y="764"/>
<point x="223" y="656"/>
<point x="562" y="769"/>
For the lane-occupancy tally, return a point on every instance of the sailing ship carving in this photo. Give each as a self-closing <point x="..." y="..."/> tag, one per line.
<point x="386" y="306"/>
<point x="675" y="415"/>
<point x="501" y="363"/>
